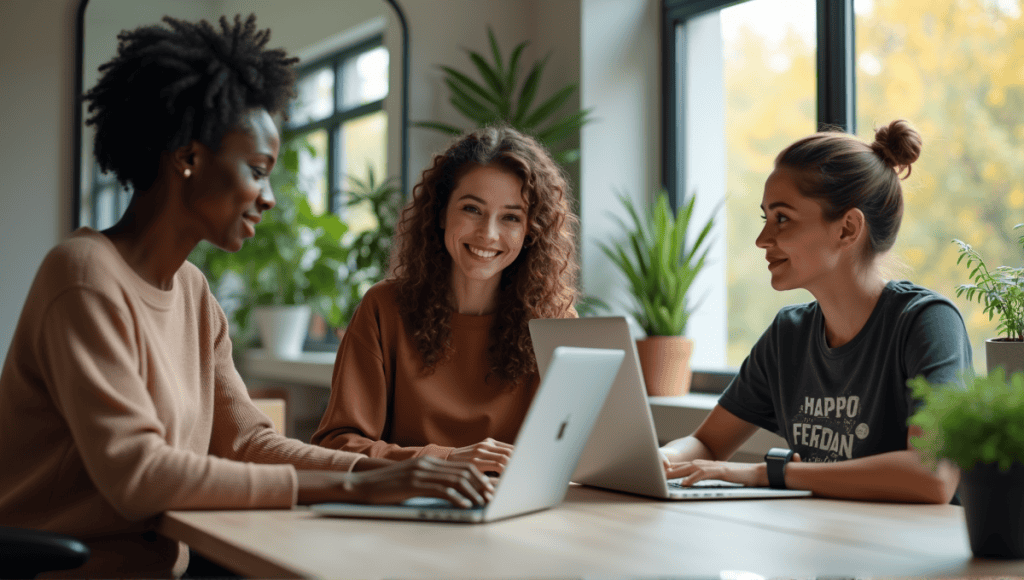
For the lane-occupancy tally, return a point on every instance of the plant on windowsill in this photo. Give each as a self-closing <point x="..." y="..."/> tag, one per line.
<point x="495" y="101"/>
<point x="660" y="265"/>
<point x="980" y="428"/>
<point x="370" y="250"/>
<point x="292" y="266"/>
<point x="1001" y="291"/>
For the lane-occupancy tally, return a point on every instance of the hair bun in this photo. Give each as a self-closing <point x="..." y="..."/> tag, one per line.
<point x="899" y="145"/>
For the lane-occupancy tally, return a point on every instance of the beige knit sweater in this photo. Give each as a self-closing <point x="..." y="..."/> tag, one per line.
<point x="119" y="401"/>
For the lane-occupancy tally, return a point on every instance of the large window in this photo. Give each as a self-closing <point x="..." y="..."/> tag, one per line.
<point x="339" y="114"/>
<point x="783" y="68"/>
<point x="956" y="70"/>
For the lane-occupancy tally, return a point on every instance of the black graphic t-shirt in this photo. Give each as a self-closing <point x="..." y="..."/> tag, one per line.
<point x="833" y="404"/>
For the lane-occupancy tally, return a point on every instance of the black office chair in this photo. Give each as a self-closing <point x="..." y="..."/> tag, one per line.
<point x="24" y="553"/>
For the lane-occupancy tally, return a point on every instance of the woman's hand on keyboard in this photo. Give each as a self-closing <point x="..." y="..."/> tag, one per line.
<point x="460" y="483"/>
<point x="747" y="474"/>
<point x="489" y="455"/>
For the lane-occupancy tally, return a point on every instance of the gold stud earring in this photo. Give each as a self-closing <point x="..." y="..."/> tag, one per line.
<point x="187" y="173"/>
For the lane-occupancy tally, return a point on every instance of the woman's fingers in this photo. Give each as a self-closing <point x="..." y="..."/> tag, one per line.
<point x="461" y="481"/>
<point x="486" y="460"/>
<point x="689" y="471"/>
<point x="501" y="445"/>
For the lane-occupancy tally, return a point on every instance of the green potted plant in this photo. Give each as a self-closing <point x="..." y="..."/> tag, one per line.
<point x="660" y="266"/>
<point x="292" y="266"/>
<point x="1001" y="291"/>
<point x="980" y="428"/>
<point x="369" y="250"/>
<point x="500" y="98"/>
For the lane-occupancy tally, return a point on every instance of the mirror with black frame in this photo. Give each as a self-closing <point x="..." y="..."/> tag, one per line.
<point x="349" y="118"/>
<point x="350" y="106"/>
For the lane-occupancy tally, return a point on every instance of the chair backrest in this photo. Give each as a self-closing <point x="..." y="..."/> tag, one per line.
<point x="24" y="552"/>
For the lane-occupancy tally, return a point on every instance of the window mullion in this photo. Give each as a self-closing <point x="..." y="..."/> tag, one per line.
<point x="836" y="71"/>
<point x="334" y="201"/>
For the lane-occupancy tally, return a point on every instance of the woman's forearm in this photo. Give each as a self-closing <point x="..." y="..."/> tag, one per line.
<point x="686" y="449"/>
<point x="893" y="476"/>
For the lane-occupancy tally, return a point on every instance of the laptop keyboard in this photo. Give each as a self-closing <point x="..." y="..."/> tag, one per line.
<point x="675" y="484"/>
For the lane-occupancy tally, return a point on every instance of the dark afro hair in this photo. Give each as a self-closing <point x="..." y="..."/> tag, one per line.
<point x="169" y="86"/>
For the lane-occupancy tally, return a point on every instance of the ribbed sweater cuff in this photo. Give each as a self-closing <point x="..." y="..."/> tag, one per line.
<point x="436" y="451"/>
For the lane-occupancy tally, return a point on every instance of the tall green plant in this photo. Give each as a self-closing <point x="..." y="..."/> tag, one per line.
<point x="296" y="256"/>
<point x="369" y="251"/>
<point x="1001" y="291"/>
<point x="659" y="263"/>
<point x="500" y="97"/>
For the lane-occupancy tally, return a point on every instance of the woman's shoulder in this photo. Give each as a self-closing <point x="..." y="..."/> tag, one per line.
<point x="383" y="293"/>
<point x="379" y="304"/>
<point x="905" y="296"/>
<point x="86" y="258"/>
<point x="796" y="314"/>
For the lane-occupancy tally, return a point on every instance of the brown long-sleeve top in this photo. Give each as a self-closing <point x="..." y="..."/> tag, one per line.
<point x="119" y="401"/>
<point x="384" y="404"/>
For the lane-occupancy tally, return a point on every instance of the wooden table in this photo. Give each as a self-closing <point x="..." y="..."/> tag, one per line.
<point x="603" y="535"/>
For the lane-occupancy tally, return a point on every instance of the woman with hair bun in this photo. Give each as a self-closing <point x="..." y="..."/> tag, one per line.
<point x="438" y="359"/>
<point x="831" y="376"/>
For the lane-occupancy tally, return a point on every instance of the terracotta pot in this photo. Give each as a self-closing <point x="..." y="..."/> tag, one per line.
<point x="1009" y="354"/>
<point x="665" y="361"/>
<point x="993" y="505"/>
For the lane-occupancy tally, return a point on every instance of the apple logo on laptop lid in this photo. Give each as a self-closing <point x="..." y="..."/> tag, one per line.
<point x="561" y="428"/>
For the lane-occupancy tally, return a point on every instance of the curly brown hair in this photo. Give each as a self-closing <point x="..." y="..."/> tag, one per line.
<point x="540" y="283"/>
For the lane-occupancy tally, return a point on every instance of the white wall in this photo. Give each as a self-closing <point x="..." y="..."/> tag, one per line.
<point x="36" y="69"/>
<point x="621" y="149"/>
<point x="610" y="46"/>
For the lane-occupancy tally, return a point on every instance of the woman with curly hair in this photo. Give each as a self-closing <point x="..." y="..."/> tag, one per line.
<point x="119" y="399"/>
<point x="438" y="359"/>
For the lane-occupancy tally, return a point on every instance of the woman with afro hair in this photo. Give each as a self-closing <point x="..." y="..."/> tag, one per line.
<point x="438" y="359"/>
<point x="120" y="373"/>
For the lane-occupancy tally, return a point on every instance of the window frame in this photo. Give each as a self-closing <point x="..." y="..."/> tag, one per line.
<point x="836" y="77"/>
<point x="835" y="99"/>
<point x="335" y="60"/>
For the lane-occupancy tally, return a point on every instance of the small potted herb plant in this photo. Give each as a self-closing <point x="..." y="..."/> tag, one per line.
<point x="660" y="266"/>
<point x="980" y="428"/>
<point x="1001" y="291"/>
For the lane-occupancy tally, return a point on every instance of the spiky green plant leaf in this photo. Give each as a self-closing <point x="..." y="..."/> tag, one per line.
<point x="658" y="263"/>
<point x="499" y="96"/>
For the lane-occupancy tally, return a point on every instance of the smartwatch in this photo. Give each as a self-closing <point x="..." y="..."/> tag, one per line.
<point x="776" y="460"/>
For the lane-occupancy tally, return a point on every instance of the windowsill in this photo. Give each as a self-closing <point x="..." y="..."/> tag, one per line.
<point x="310" y="368"/>
<point x="676" y="417"/>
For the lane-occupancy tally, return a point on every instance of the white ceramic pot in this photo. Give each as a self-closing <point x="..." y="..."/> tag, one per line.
<point x="1008" y="354"/>
<point x="283" y="329"/>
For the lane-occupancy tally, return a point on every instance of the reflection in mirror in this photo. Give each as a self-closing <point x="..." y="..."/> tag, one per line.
<point x="349" y="90"/>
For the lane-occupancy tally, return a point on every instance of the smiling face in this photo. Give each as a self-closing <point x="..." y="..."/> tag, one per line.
<point x="802" y="249"/>
<point x="228" y="190"/>
<point x="484" y="227"/>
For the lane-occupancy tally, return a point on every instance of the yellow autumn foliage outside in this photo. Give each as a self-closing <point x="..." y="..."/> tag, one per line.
<point x="954" y="68"/>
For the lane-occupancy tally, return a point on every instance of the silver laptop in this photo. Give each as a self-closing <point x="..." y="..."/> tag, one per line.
<point x="547" y="448"/>
<point x="622" y="452"/>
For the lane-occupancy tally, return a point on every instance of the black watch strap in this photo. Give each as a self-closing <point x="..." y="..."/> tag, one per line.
<point x="776" y="460"/>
